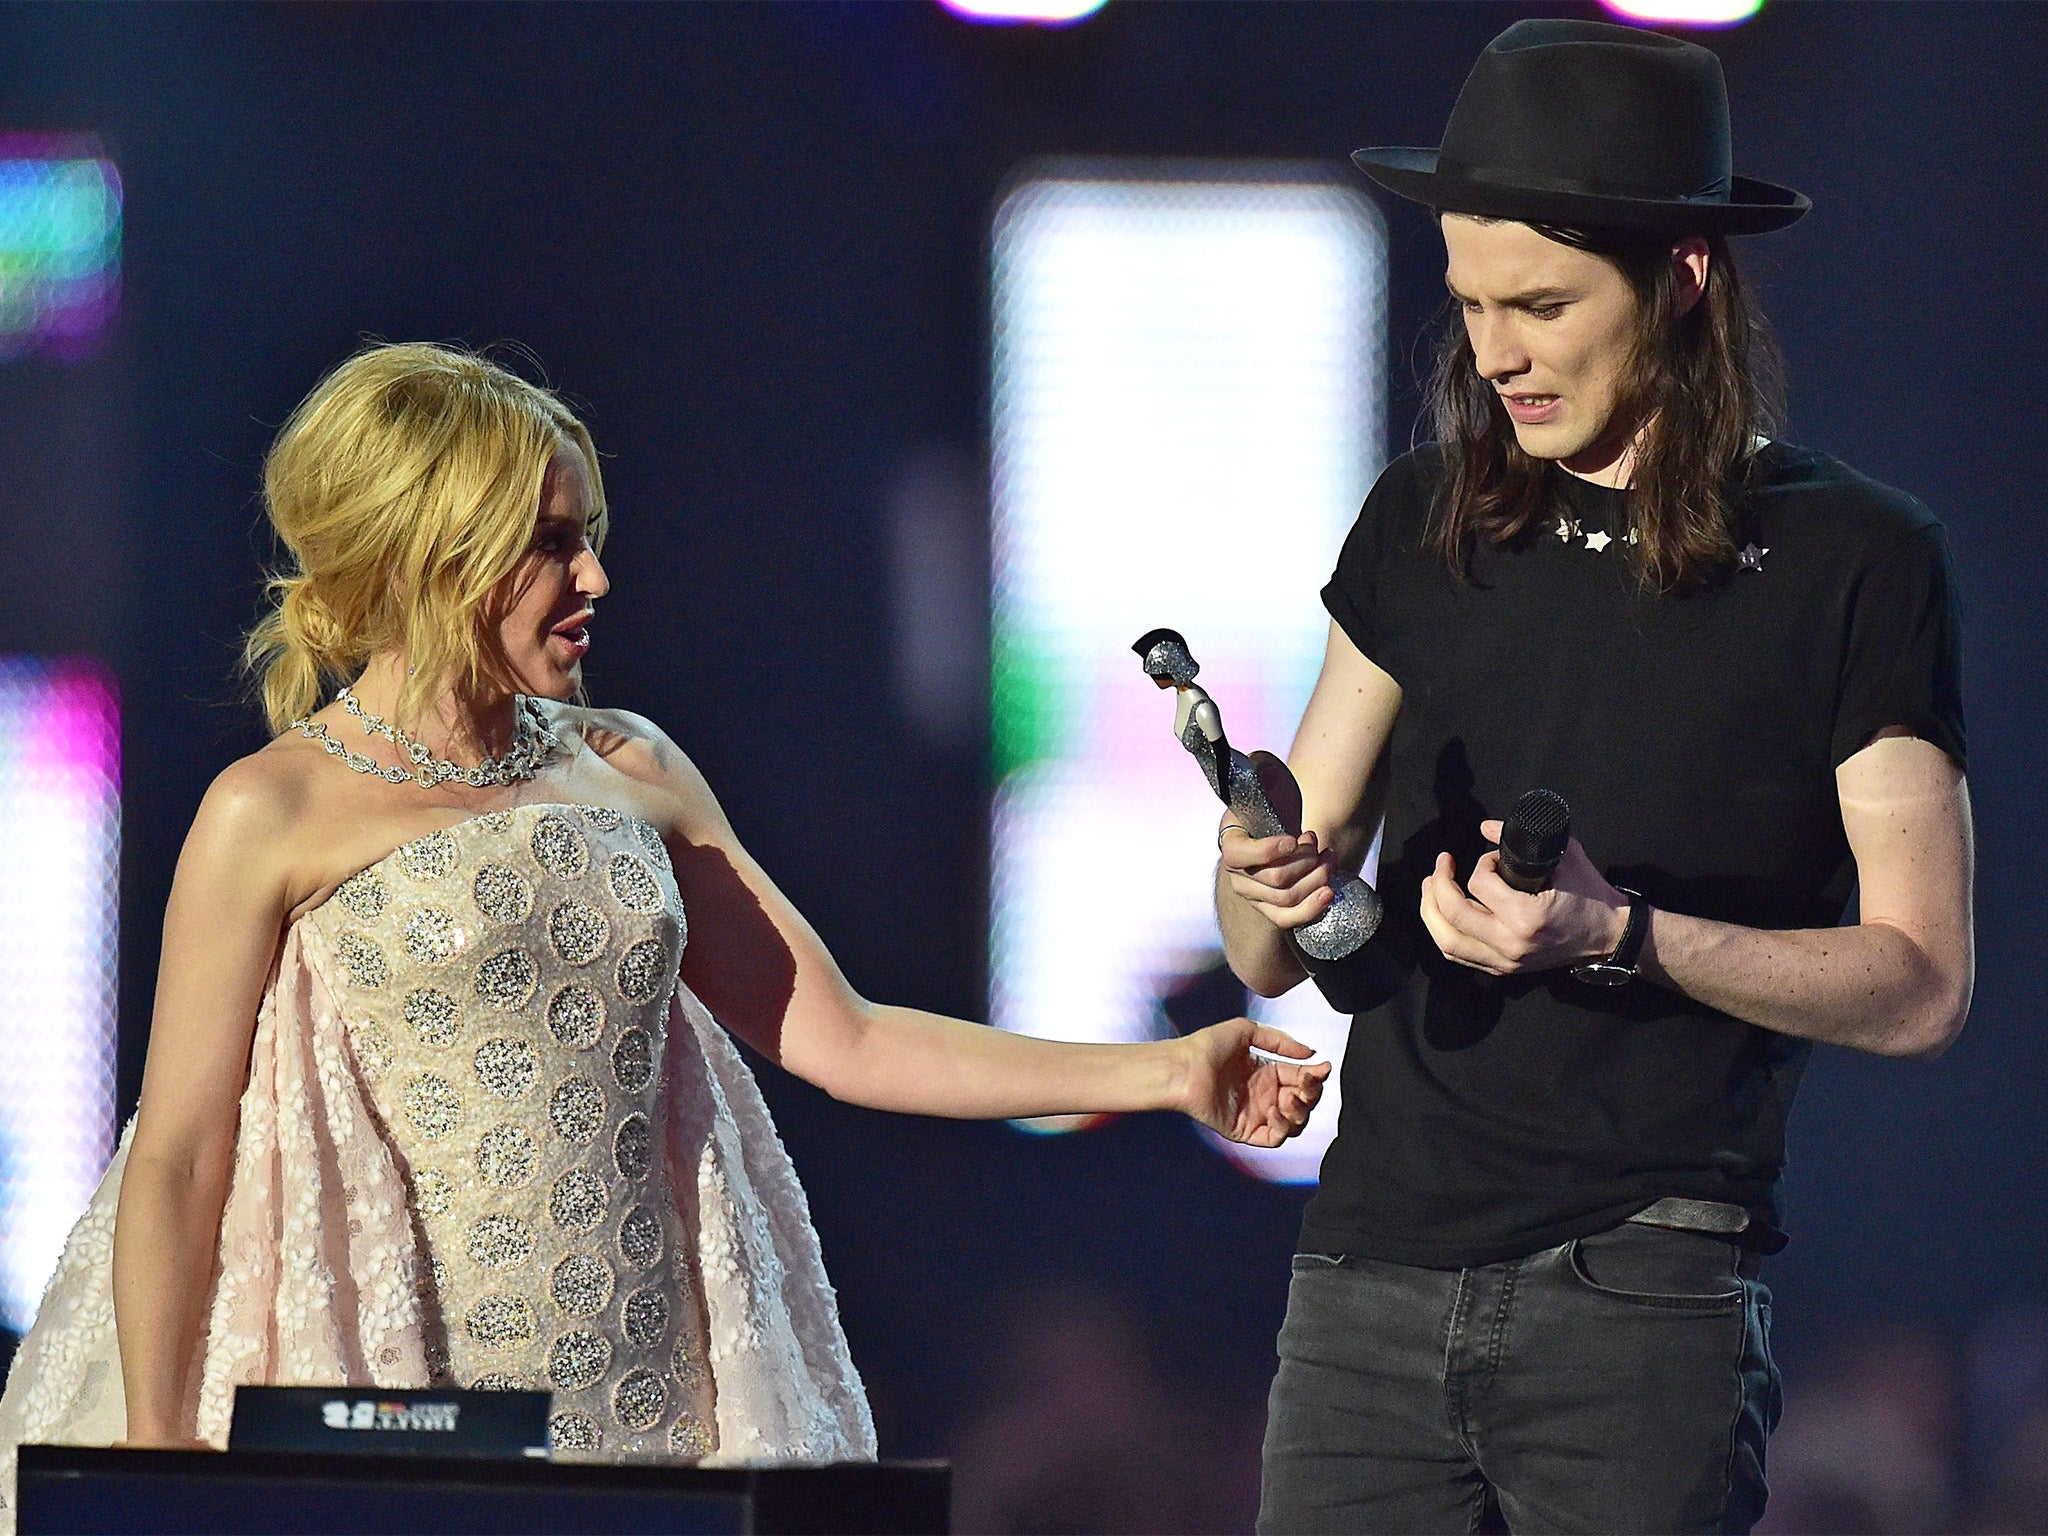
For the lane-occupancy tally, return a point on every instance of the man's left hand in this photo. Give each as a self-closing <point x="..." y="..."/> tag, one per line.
<point x="1495" y="928"/>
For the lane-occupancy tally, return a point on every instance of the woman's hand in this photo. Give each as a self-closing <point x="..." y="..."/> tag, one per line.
<point x="1286" y="880"/>
<point x="1492" y="927"/>
<point x="1245" y="1097"/>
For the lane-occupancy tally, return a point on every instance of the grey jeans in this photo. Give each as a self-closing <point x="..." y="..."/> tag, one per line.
<point x="1622" y="1382"/>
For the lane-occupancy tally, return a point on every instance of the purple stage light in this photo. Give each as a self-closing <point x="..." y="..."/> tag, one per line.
<point x="60" y="829"/>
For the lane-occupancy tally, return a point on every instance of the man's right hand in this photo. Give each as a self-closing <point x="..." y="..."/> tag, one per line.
<point x="1327" y="783"/>
<point x="1287" y="879"/>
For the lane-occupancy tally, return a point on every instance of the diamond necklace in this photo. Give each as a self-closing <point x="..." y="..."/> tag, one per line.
<point x="533" y="745"/>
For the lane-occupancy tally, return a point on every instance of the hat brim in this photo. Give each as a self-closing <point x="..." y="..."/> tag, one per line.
<point x="1753" y="207"/>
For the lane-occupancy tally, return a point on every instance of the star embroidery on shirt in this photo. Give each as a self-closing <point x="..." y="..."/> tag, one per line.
<point x="1567" y="529"/>
<point x="1599" y="541"/>
<point x="1752" y="558"/>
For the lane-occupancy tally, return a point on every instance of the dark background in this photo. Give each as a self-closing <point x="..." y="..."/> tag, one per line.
<point x="752" y="244"/>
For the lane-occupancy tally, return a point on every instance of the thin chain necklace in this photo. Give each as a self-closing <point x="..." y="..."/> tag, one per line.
<point x="534" y="743"/>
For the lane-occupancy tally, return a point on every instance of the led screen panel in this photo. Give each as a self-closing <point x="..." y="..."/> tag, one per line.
<point x="1188" y="399"/>
<point x="60" y="243"/>
<point x="60" y="826"/>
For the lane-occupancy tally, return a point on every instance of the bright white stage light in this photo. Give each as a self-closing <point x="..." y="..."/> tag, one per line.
<point x="1013" y="12"/>
<point x="1685" y="13"/>
<point x="60" y="828"/>
<point x="1188" y="405"/>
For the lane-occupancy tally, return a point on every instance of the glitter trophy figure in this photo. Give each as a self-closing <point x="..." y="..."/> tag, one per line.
<point x="1354" y="916"/>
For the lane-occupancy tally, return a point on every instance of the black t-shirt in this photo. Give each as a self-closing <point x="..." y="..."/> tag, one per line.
<point x="1696" y="739"/>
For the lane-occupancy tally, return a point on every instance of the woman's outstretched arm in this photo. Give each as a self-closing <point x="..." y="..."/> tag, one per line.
<point x="228" y="904"/>
<point x="760" y="967"/>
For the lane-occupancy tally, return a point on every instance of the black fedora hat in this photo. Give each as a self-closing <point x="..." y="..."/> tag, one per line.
<point x="1590" y="126"/>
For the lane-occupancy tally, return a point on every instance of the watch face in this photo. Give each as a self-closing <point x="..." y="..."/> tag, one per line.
<point x="1599" y="973"/>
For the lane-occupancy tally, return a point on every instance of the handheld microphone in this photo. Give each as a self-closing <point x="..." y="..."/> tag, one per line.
<point x="1533" y="839"/>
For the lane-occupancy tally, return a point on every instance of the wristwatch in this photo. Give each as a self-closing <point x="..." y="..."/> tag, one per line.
<point x="1619" y="968"/>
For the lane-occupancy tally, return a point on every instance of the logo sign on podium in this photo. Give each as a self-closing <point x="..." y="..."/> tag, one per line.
<point x="374" y="1421"/>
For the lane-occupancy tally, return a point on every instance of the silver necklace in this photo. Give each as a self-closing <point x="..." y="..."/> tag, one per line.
<point x="532" y="746"/>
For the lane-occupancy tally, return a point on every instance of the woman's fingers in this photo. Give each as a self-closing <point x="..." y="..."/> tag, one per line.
<point x="1277" y="862"/>
<point x="1300" y="903"/>
<point x="1279" y="874"/>
<point x="1279" y="1042"/>
<point x="1242" y="851"/>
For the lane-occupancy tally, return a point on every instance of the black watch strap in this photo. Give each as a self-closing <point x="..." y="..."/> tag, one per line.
<point x="1619" y="968"/>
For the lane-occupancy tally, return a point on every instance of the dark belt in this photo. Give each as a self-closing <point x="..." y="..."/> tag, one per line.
<point x="1716" y="1216"/>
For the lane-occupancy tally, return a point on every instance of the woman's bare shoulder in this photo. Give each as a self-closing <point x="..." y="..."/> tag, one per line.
<point x="635" y="746"/>
<point x="631" y="743"/>
<point x="255" y="808"/>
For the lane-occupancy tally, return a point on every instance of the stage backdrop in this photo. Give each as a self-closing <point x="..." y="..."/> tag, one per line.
<point x="762" y="247"/>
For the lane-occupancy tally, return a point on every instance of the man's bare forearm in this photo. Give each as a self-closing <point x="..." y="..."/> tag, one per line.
<point x="1258" y="952"/>
<point x="1871" y="987"/>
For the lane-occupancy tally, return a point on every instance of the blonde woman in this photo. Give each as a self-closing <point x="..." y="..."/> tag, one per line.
<point x="437" y="1089"/>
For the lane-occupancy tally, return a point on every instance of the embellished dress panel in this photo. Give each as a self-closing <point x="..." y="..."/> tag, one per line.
<point x="489" y="1138"/>
<point x="505" y="986"/>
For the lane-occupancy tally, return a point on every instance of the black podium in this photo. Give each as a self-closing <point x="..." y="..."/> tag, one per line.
<point x="72" y="1488"/>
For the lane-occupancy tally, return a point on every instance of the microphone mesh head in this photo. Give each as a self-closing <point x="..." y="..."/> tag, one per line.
<point x="1537" y="829"/>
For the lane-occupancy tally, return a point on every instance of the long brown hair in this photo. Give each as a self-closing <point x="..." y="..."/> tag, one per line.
<point x="1708" y="384"/>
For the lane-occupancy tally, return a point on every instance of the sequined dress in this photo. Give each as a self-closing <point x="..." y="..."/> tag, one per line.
<point x="490" y="1139"/>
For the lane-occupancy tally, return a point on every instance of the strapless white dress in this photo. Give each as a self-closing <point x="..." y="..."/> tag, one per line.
<point x="491" y="1140"/>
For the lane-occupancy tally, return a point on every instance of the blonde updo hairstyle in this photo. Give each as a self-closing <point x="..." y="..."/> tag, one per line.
<point x="404" y="489"/>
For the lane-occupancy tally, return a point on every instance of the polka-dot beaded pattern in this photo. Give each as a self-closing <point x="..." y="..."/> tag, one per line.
<point x="582" y="1285"/>
<point x="499" y="1241"/>
<point x="372" y="1047"/>
<point x="633" y="883"/>
<point x="433" y="1191"/>
<point x="576" y="1109"/>
<point x="639" y="1399"/>
<point x="506" y="985"/>
<point x="432" y="1106"/>
<point x="578" y="1201"/>
<point x="650" y="839"/>
<point x="501" y="893"/>
<point x="507" y="1067"/>
<point x="572" y="1431"/>
<point x="364" y="896"/>
<point x="506" y="1156"/>
<point x="432" y="1015"/>
<point x="633" y="1059"/>
<point x="576" y="1016"/>
<point x="578" y="932"/>
<point x="689" y="1439"/>
<point x="645" y="1316"/>
<point x="633" y="1148"/>
<point x="578" y="1359"/>
<point x="430" y="857"/>
<point x="497" y="1321"/>
<point x="362" y="959"/>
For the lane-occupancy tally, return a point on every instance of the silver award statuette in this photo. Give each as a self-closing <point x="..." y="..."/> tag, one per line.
<point x="1354" y="916"/>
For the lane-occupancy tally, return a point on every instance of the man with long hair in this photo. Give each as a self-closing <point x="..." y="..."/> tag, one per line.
<point x="1528" y="1288"/>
